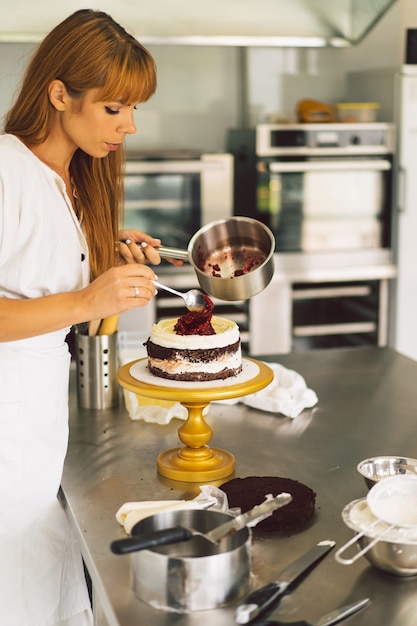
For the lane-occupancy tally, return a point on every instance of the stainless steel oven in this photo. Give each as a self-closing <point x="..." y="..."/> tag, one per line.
<point x="318" y="187"/>
<point x="325" y="190"/>
<point x="172" y="194"/>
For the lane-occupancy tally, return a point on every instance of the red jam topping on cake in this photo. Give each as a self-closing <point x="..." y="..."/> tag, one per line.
<point x="196" y="322"/>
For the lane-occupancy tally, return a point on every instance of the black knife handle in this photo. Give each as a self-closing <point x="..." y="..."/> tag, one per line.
<point x="151" y="540"/>
<point x="258" y="601"/>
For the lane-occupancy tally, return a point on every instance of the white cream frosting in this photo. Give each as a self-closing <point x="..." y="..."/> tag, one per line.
<point x="227" y="333"/>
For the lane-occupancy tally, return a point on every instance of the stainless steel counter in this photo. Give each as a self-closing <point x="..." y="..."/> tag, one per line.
<point x="367" y="406"/>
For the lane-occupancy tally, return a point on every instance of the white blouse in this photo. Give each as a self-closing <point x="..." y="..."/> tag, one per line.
<point x="41" y="252"/>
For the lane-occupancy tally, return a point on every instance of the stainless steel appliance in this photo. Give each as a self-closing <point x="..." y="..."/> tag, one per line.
<point x="325" y="190"/>
<point x="317" y="186"/>
<point x="172" y="194"/>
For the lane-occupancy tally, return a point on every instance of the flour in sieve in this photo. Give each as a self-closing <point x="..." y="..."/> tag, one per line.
<point x="398" y="510"/>
<point x="360" y="516"/>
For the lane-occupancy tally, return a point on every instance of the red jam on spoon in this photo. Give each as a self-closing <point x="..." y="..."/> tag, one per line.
<point x="196" y="322"/>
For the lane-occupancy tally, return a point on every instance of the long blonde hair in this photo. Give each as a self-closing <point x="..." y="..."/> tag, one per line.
<point x="87" y="50"/>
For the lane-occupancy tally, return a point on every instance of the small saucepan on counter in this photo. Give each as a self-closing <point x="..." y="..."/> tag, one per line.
<point x="193" y="575"/>
<point x="193" y="559"/>
<point x="232" y="258"/>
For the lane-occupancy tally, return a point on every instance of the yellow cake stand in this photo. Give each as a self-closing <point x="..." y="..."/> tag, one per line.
<point x="195" y="461"/>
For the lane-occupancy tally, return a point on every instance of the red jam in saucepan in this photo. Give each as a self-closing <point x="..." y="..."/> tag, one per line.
<point x="243" y="260"/>
<point x="196" y="322"/>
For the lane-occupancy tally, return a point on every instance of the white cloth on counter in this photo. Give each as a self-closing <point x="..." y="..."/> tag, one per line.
<point x="287" y="393"/>
<point x="153" y="413"/>
<point x="131" y="513"/>
<point x="139" y="407"/>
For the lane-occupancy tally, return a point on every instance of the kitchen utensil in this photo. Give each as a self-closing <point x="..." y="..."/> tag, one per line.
<point x="193" y="575"/>
<point x="93" y="327"/>
<point x="96" y="370"/>
<point x="375" y="468"/>
<point x="261" y="599"/>
<point x="327" y="620"/>
<point x="392" y="551"/>
<point x="177" y="534"/>
<point x="389" y="515"/>
<point x="108" y="325"/>
<point x="194" y="298"/>
<point x="233" y="258"/>
<point x="394" y="501"/>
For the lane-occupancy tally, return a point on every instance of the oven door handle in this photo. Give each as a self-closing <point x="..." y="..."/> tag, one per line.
<point x="333" y="166"/>
<point x="172" y="167"/>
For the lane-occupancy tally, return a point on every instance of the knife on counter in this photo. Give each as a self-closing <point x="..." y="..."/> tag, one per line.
<point x="260" y="599"/>
<point x="327" y="620"/>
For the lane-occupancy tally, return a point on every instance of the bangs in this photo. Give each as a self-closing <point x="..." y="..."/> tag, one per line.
<point x="131" y="79"/>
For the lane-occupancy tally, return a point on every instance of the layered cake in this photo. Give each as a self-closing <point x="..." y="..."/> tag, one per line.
<point x="198" y="346"/>
<point x="250" y="491"/>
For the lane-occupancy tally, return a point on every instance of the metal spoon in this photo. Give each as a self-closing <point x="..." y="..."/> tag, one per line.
<point x="194" y="298"/>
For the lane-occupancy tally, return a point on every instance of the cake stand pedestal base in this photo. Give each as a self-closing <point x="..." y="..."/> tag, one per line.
<point x="195" y="461"/>
<point x="210" y="464"/>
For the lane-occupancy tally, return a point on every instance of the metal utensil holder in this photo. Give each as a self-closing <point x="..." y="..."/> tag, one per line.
<point x="96" y="362"/>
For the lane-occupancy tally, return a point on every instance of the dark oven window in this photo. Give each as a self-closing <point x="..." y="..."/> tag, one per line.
<point x="166" y="206"/>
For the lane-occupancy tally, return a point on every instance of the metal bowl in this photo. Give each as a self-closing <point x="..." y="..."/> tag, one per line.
<point x="378" y="467"/>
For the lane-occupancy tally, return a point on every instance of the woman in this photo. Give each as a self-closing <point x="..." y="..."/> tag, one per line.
<point x="60" y="188"/>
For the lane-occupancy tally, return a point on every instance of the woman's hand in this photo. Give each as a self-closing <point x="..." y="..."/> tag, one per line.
<point x="138" y="247"/>
<point x="118" y="290"/>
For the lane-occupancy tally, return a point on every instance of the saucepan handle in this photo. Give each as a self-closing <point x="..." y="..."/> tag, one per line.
<point x="151" y="540"/>
<point x="173" y="253"/>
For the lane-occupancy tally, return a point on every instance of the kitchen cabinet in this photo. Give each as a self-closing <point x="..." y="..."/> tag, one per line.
<point x="278" y="324"/>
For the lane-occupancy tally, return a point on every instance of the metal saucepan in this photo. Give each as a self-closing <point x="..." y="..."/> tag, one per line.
<point x="232" y="258"/>
<point x="197" y="574"/>
<point x="193" y="575"/>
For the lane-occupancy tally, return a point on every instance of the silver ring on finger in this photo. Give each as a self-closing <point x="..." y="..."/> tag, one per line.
<point x="137" y="292"/>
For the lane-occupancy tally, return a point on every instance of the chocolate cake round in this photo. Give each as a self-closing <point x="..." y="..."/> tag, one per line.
<point x="250" y="491"/>
<point x="195" y="357"/>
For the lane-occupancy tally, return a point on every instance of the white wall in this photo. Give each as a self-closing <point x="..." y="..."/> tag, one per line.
<point x="13" y="59"/>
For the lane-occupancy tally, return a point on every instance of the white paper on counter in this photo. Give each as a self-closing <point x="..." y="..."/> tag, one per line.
<point x="132" y="512"/>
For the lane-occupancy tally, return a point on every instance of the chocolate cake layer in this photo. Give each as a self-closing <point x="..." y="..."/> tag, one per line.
<point x="193" y="356"/>
<point x="250" y="491"/>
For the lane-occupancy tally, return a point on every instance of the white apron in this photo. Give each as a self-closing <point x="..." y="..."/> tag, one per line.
<point x="42" y="580"/>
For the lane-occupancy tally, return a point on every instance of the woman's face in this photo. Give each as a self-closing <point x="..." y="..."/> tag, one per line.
<point x="94" y="126"/>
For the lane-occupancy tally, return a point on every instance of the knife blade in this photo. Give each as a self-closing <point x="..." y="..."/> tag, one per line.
<point x="340" y="614"/>
<point x="260" y="599"/>
<point x="251" y="517"/>
<point x="327" y="620"/>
